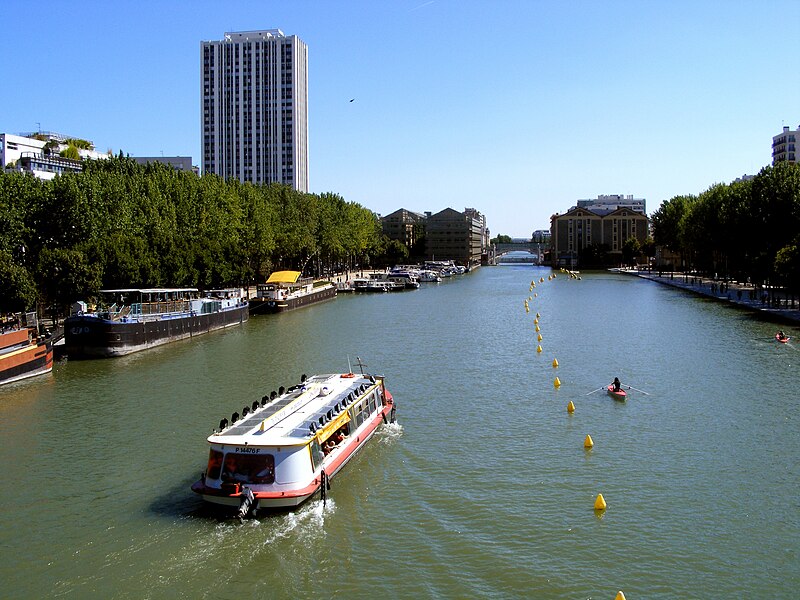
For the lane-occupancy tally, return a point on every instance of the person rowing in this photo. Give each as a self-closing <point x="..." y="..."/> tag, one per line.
<point x="616" y="384"/>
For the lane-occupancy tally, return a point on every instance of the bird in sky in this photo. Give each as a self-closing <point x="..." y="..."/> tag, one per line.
<point x="351" y="99"/>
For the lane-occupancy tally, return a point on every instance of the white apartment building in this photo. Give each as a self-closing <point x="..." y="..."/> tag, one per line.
<point x="254" y="100"/>
<point x="13" y="147"/>
<point x="611" y="202"/>
<point x="784" y="146"/>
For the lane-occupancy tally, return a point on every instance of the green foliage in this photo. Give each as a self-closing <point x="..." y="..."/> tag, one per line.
<point x="743" y="229"/>
<point x="502" y="239"/>
<point x="120" y="224"/>
<point x="70" y="152"/>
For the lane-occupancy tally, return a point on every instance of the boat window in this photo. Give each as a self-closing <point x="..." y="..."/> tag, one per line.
<point x="249" y="468"/>
<point x="214" y="464"/>
<point x="316" y="454"/>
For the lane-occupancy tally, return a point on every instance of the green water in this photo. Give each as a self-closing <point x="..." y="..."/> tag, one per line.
<point x="483" y="489"/>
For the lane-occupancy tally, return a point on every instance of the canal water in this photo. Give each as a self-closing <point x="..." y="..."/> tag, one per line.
<point x="482" y="490"/>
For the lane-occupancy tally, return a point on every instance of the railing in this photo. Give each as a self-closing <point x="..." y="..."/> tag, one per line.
<point x="160" y="308"/>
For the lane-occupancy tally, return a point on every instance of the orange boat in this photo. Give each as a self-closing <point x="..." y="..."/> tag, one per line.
<point x="23" y="353"/>
<point x="620" y="394"/>
<point x="782" y="338"/>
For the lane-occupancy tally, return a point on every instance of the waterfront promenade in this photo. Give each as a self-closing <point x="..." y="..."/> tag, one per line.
<point x="748" y="297"/>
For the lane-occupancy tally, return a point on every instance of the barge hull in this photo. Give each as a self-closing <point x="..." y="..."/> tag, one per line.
<point x="258" y="306"/>
<point x="92" y="337"/>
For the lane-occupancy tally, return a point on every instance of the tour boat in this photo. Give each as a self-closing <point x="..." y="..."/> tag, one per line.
<point x="286" y="290"/>
<point x="130" y="320"/>
<point x="24" y="353"/>
<point x="783" y="339"/>
<point x="617" y="395"/>
<point x="281" y="451"/>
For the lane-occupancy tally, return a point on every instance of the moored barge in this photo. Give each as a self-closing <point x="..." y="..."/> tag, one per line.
<point x="280" y="452"/>
<point x="23" y="352"/>
<point x="136" y="319"/>
<point x="286" y="290"/>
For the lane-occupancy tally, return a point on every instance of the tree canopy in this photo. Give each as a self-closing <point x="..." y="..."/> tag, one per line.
<point x="120" y="224"/>
<point x="746" y="229"/>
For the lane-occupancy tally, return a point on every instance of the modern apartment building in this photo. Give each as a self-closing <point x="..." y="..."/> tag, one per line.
<point x="784" y="146"/>
<point x="254" y="100"/>
<point x="613" y="202"/>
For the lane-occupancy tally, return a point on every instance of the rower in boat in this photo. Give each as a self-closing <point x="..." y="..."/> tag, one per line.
<point x="615" y="390"/>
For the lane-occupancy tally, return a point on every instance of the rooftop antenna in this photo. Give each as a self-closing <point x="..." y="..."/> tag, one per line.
<point x="360" y="365"/>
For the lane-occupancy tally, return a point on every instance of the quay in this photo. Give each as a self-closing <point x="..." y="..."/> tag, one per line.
<point x="774" y="307"/>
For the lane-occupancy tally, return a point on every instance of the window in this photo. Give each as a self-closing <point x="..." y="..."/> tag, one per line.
<point x="248" y="468"/>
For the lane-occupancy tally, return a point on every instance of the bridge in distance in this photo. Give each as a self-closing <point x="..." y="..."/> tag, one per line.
<point x="534" y="250"/>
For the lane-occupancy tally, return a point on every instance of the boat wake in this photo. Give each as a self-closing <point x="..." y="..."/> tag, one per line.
<point x="389" y="433"/>
<point x="238" y="545"/>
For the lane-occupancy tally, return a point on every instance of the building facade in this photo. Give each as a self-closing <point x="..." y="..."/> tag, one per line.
<point x="579" y="231"/>
<point x="451" y="235"/>
<point x="613" y="202"/>
<point x="179" y="163"/>
<point x="404" y="226"/>
<point x="784" y="146"/>
<point x="254" y="101"/>
<point x="38" y="153"/>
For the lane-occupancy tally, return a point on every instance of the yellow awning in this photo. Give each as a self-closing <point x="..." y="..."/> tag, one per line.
<point x="284" y="277"/>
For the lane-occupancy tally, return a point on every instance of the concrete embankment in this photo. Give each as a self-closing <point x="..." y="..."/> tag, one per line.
<point x="773" y="306"/>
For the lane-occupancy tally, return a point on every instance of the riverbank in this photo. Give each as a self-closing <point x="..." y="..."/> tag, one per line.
<point x="743" y="296"/>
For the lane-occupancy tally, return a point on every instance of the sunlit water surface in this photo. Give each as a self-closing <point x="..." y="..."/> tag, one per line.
<point x="482" y="490"/>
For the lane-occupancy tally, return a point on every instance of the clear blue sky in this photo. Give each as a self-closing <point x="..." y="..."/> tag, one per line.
<point x="515" y="108"/>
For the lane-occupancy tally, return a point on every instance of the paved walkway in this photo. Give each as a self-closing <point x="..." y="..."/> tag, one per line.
<point x="744" y="296"/>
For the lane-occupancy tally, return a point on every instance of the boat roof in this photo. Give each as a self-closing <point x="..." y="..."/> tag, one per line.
<point x="147" y="290"/>
<point x="284" y="277"/>
<point x="285" y="421"/>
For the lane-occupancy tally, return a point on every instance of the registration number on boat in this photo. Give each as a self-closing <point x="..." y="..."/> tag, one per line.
<point x="248" y="450"/>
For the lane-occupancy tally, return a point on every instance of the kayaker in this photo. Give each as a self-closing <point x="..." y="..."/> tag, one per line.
<point x="781" y="335"/>
<point x="617" y="384"/>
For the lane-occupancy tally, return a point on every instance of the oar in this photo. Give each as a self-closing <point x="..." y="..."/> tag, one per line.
<point x="597" y="390"/>
<point x="630" y="387"/>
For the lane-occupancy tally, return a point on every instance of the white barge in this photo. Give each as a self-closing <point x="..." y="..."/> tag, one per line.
<point x="281" y="451"/>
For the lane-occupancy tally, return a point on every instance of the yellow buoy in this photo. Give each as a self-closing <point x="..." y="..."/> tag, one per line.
<point x="538" y="315"/>
<point x="541" y="279"/>
<point x="555" y="363"/>
<point x="527" y="310"/>
<point x="619" y="596"/>
<point x="557" y="382"/>
<point x="538" y="328"/>
<point x="600" y="503"/>
<point x="570" y="407"/>
<point x="536" y="321"/>
<point x="588" y="442"/>
<point x="539" y="338"/>
<point x="539" y="348"/>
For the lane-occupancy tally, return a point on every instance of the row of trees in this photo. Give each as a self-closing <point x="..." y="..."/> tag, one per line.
<point x="119" y="224"/>
<point x="746" y="229"/>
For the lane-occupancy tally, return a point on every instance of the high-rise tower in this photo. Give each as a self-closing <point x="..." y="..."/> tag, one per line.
<point x="255" y="107"/>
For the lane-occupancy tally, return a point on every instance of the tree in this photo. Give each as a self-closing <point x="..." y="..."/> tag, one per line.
<point x="70" y="152"/>
<point x="502" y="239"/>
<point x="631" y="248"/>
<point x="18" y="291"/>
